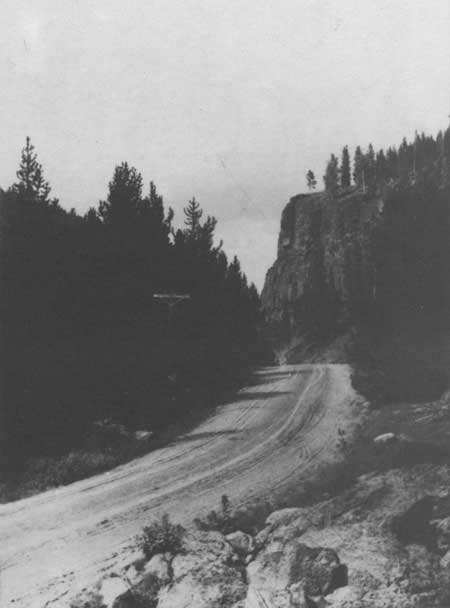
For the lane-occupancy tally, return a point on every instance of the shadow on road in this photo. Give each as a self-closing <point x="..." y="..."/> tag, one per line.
<point x="267" y="378"/>
<point x="210" y="435"/>
<point x="259" y="395"/>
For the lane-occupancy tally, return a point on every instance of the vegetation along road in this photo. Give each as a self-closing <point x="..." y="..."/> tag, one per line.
<point x="275" y="433"/>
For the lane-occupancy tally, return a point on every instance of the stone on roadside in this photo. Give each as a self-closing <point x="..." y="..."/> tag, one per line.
<point x="242" y="543"/>
<point x="284" y="517"/>
<point x="385" y="438"/>
<point x="111" y="588"/>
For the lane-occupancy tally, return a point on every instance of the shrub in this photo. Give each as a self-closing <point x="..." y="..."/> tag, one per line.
<point x="226" y="520"/>
<point x="221" y="521"/>
<point x="162" y="537"/>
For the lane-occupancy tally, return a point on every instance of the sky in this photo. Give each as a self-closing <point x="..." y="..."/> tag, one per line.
<point x="228" y="100"/>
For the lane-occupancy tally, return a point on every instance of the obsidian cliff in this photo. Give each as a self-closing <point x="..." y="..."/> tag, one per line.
<point x="368" y="269"/>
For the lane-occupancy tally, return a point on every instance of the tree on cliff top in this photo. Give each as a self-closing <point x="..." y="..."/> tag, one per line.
<point x="359" y="169"/>
<point x="345" y="168"/>
<point x="331" y="175"/>
<point x="311" y="180"/>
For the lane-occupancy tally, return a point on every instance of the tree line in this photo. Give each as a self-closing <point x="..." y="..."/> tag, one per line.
<point x="425" y="159"/>
<point x="85" y="339"/>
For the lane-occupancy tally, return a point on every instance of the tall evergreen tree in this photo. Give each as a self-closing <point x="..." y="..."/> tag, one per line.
<point x="380" y="166"/>
<point x="193" y="214"/>
<point x="31" y="185"/>
<point x="331" y="177"/>
<point x="359" y="168"/>
<point x="345" y="168"/>
<point x="123" y="205"/>
<point x="404" y="162"/>
<point x="156" y="226"/>
<point x="370" y="169"/>
<point x="391" y="164"/>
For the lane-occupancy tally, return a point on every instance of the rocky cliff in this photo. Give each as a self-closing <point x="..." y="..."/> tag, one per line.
<point x="358" y="263"/>
<point x="325" y="270"/>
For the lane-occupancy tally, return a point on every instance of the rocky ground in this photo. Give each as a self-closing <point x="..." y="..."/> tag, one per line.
<point x="385" y="542"/>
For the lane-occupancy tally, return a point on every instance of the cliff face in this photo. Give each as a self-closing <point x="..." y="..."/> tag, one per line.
<point x="325" y="271"/>
<point x="379" y="263"/>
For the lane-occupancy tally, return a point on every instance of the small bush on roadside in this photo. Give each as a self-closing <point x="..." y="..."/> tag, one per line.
<point x="226" y="520"/>
<point x="162" y="537"/>
<point x="219" y="521"/>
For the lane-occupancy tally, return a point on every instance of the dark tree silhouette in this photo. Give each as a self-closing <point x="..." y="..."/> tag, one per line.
<point x="31" y="185"/>
<point x="359" y="168"/>
<point x="311" y="180"/>
<point x="122" y="206"/>
<point x="331" y="177"/>
<point x="345" y="168"/>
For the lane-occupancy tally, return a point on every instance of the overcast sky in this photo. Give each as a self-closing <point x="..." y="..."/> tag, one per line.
<point x="228" y="100"/>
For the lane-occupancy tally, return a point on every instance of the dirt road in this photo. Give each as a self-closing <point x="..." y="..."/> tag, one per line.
<point x="274" y="434"/>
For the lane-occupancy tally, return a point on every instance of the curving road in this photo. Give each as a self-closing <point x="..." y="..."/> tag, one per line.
<point x="271" y="436"/>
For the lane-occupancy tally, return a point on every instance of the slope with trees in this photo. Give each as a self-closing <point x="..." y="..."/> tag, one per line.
<point x="84" y="339"/>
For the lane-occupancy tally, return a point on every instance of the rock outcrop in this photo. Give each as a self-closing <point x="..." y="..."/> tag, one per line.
<point x="375" y="262"/>
<point x="325" y="266"/>
<point x="384" y="543"/>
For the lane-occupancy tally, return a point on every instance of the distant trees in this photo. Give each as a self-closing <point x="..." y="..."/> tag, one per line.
<point x="370" y="169"/>
<point x="331" y="177"/>
<point x="345" y="168"/>
<point x="424" y="159"/>
<point x="311" y="180"/>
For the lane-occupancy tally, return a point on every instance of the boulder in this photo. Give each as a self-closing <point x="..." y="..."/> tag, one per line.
<point x="157" y="567"/>
<point x="111" y="588"/>
<point x="143" y="435"/>
<point x="385" y="438"/>
<point x="423" y="568"/>
<point x="127" y="600"/>
<point x="284" y="517"/>
<point x="110" y="592"/>
<point x="262" y="538"/>
<point x="87" y="598"/>
<point x="271" y="576"/>
<point x="205" y="575"/>
<point x="242" y="543"/>
<point x="442" y="531"/>
<point x="219" y="589"/>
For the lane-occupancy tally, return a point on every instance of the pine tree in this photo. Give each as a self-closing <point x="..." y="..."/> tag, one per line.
<point x="370" y="169"/>
<point x="404" y="162"/>
<point x="345" y="168"/>
<point x="331" y="175"/>
<point x="391" y="164"/>
<point x="311" y="180"/>
<point x="124" y="201"/>
<point x="380" y="167"/>
<point x="31" y="186"/>
<point x="193" y="214"/>
<point x="358" y="168"/>
<point x="155" y="224"/>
